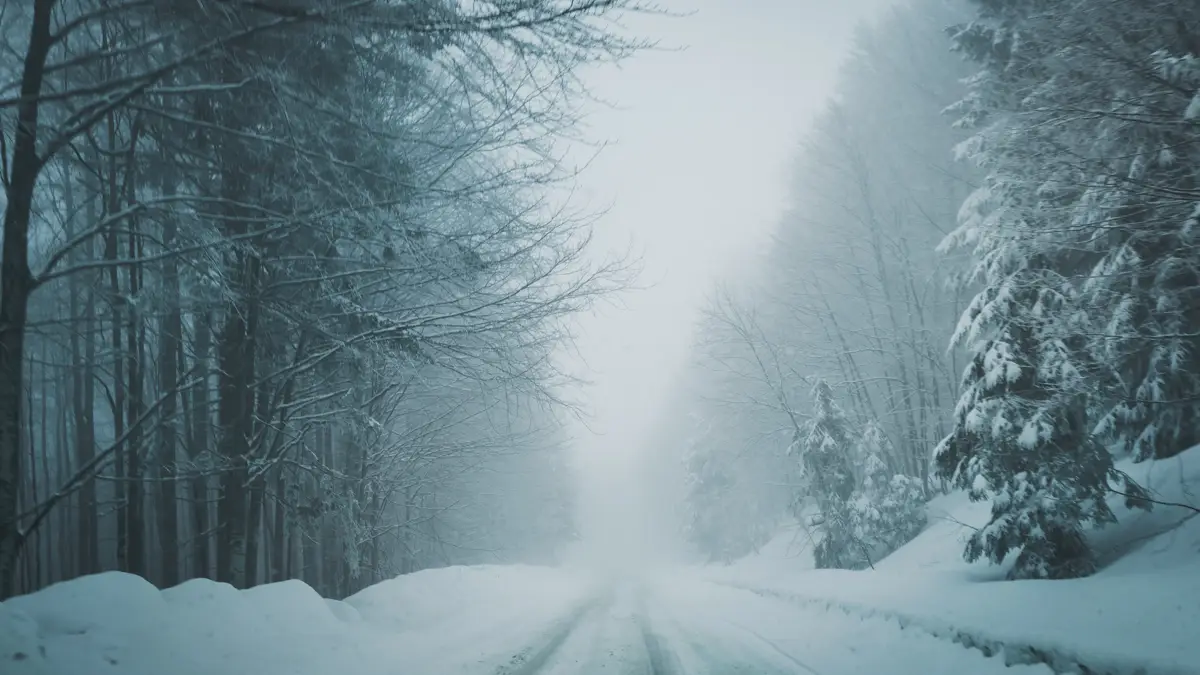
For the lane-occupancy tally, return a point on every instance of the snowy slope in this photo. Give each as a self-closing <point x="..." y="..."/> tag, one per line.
<point x="119" y="623"/>
<point x="1142" y="609"/>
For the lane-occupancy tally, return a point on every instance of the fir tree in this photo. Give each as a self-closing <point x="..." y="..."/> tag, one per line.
<point x="824" y="451"/>
<point x="1143" y="208"/>
<point x="1024" y="432"/>
<point x="888" y="509"/>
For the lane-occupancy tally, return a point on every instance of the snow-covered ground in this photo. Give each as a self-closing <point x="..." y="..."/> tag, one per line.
<point x="1142" y="611"/>
<point x="453" y="620"/>
<point x="922" y="611"/>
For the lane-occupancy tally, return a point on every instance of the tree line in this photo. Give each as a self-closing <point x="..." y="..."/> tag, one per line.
<point x="990" y="259"/>
<point x="281" y="281"/>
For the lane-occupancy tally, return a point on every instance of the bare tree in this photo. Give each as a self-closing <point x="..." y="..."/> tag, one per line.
<point x="269" y="229"/>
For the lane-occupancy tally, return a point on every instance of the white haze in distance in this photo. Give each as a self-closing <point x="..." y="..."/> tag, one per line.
<point x="700" y="147"/>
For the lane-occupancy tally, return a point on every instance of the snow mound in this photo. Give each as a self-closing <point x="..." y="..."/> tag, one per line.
<point x="21" y="650"/>
<point x="81" y="607"/>
<point x="939" y="547"/>
<point x="438" y="622"/>
<point x="432" y="598"/>
<point x="1166" y="538"/>
<point x="1027" y="626"/>
<point x="790" y="550"/>
<point x="343" y="611"/>
<point x="1139" y="614"/>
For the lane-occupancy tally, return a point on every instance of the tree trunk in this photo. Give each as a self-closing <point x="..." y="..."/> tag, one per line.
<point x="83" y="392"/>
<point x="111" y="253"/>
<point x="254" y="530"/>
<point x="236" y="374"/>
<point x="34" y="548"/>
<point x="46" y="529"/>
<point x="233" y="412"/>
<point x="279" y="538"/>
<point x="330" y="549"/>
<point x="257" y="485"/>
<point x="16" y="285"/>
<point x="136" y="511"/>
<point x="67" y="555"/>
<point x="170" y="338"/>
<point x="198" y="446"/>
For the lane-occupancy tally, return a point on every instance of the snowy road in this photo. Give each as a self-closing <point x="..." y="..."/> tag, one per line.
<point x="513" y="620"/>
<point x="689" y="627"/>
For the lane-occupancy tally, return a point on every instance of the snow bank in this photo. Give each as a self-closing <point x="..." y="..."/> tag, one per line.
<point x="434" y="598"/>
<point x="788" y="552"/>
<point x="120" y="624"/>
<point x="21" y="651"/>
<point x="1141" y="611"/>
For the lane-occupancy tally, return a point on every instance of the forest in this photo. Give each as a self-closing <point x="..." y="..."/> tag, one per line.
<point x="987" y="279"/>
<point x="283" y="282"/>
<point x="320" y="350"/>
<point x="285" y="287"/>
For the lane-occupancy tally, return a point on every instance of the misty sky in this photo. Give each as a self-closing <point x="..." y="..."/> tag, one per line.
<point x="701" y="146"/>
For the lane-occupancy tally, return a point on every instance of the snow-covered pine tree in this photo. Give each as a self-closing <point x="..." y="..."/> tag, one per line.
<point x="1023" y="433"/>
<point x="824" y="450"/>
<point x="871" y="452"/>
<point x="1108" y="90"/>
<point x="888" y="509"/>
<point x="1141" y="152"/>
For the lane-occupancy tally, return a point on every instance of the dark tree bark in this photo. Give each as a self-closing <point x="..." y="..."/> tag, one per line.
<point x="198" y="447"/>
<point x="236" y="374"/>
<point x="82" y="390"/>
<point x="136" y="511"/>
<point x="16" y="284"/>
<point x="170" y="340"/>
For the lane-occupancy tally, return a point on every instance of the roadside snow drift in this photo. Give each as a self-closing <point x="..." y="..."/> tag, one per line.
<point x="1139" y="614"/>
<point x="435" y="622"/>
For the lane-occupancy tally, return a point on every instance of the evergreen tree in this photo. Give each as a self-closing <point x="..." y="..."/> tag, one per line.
<point x="1141" y="208"/>
<point x="1021" y="434"/>
<point x="1024" y="431"/>
<point x="824" y="453"/>
<point x="1087" y="109"/>
<point x="888" y="509"/>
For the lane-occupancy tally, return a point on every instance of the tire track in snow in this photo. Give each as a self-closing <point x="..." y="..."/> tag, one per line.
<point x="533" y="658"/>
<point x="770" y="644"/>
<point x="663" y="660"/>
<point x="752" y="656"/>
<point x="612" y="633"/>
